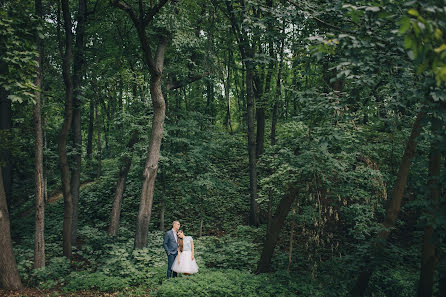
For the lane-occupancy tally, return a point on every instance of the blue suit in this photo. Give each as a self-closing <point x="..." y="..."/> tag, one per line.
<point x="171" y="247"/>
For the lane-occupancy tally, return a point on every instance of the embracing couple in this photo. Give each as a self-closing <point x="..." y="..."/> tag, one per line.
<point x="180" y="252"/>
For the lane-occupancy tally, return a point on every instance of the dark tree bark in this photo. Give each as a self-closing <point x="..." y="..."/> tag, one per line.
<point x="273" y="235"/>
<point x="39" y="237"/>
<point x="120" y="185"/>
<point x="155" y="65"/>
<point x="278" y="91"/>
<point x="63" y="135"/>
<point x="99" y="145"/>
<point x="78" y="65"/>
<point x="247" y="53"/>
<point x="429" y="258"/>
<point x="90" y="130"/>
<point x="5" y="126"/>
<point x="9" y="275"/>
<point x="393" y="208"/>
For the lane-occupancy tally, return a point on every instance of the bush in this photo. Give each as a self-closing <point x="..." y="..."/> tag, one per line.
<point x="237" y="283"/>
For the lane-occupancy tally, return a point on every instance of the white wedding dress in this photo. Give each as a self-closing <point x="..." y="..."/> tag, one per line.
<point x="186" y="265"/>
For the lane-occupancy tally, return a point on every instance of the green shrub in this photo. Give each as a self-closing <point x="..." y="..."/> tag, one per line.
<point x="237" y="283"/>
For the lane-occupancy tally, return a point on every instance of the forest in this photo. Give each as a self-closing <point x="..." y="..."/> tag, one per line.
<point x="300" y="143"/>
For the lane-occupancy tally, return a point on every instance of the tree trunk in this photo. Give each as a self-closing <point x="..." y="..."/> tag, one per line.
<point x="151" y="168"/>
<point x="290" y="252"/>
<point x="254" y="208"/>
<point x="201" y="229"/>
<point x="63" y="135"/>
<point x="278" y="93"/>
<point x="120" y="186"/>
<point x="99" y="145"/>
<point x="5" y="126"/>
<point x="226" y="84"/>
<point x="78" y="66"/>
<point x="429" y="257"/>
<point x="9" y="275"/>
<point x="90" y="130"/>
<point x="39" y="237"/>
<point x="273" y="235"/>
<point x="393" y="208"/>
<point x="162" y="212"/>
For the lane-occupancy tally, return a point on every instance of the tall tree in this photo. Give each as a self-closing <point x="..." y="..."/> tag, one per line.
<point x="247" y="52"/>
<point x="154" y="63"/>
<point x="39" y="237"/>
<point x="78" y="65"/>
<point x="429" y="256"/>
<point x="393" y="209"/>
<point x="63" y="134"/>
<point x="9" y="275"/>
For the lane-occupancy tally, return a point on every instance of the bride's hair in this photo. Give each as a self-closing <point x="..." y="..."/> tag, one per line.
<point x="180" y="242"/>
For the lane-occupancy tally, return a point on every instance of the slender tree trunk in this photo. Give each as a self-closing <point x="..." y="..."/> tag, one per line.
<point x="200" y="234"/>
<point x="63" y="135"/>
<point x="254" y="208"/>
<point x="228" y="99"/>
<point x="162" y="212"/>
<point x="5" y="126"/>
<point x="429" y="256"/>
<point x="99" y="145"/>
<point x="90" y="130"/>
<point x="290" y="252"/>
<point x="9" y="275"/>
<point x="393" y="208"/>
<point x="120" y="186"/>
<point x="273" y="235"/>
<point x="39" y="238"/>
<point x="278" y="92"/>
<point x="78" y="65"/>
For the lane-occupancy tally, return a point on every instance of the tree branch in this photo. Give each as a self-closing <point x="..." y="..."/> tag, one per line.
<point x="153" y="11"/>
<point x="179" y="84"/>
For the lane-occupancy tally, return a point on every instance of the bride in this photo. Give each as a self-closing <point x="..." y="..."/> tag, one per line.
<point x="185" y="261"/>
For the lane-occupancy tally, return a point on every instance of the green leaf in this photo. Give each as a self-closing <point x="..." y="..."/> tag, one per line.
<point x="405" y="25"/>
<point x="15" y="98"/>
<point x="413" y="12"/>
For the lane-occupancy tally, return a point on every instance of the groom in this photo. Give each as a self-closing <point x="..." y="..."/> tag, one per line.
<point x="171" y="247"/>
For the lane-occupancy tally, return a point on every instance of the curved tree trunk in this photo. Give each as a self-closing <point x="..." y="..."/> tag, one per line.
<point x="120" y="186"/>
<point x="9" y="275"/>
<point x="276" y="226"/>
<point x="39" y="235"/>
<point x="151" y="168"/>
<point x="393" y="208"/>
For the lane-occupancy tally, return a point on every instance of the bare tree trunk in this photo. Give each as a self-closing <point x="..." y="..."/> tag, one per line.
<point x="155" y="65"/>
<point x="393" y="208"/>
<point x="278" y="92"/>
<point x="429" y="258"/>
<point x="273" y="235"/>
<point x="120" y="186"/>
<point x="90" y="130"/>
<point x="5" y="126"/>
<point x="151" y="168"/>
<point x="39" y="237"/>
<point x="226" y="84"/>
<point x="290" y="252"/>
<point x="99" y="145"/>
<point x="254" y="208"/>
<point x="63" y="135"/>
<point x="201" y="229"/>
<point x="162" y="212"/>
<point x="9" y="275"/>
<point x="78" y="65"/>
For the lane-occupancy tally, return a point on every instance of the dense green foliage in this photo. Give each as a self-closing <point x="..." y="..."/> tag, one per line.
<point x="347" y="79"/>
